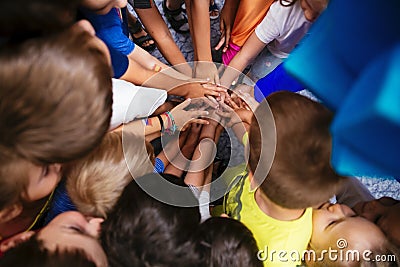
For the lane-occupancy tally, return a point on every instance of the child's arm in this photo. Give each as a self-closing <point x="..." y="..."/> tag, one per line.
<point x="149" y="62"/>
<point x="170" y="151"/>
<point x="227" y="18"/>
<point x="180" y="162"/>
<point x="238" y="119"/>
<point x="137" y="74"/>
<point x="202" y="156"/>
<point x="246" y="55"/>
<point x="200" y="173"/>
<point x="155" y="25"/>
<point x="199" y="22"/>
<point x="153" y="125"/>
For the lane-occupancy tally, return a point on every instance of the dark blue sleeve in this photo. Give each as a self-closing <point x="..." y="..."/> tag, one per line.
<point x="112" y="29"/>
<point x="277" y="80"/>
<point x="119" y="62"/>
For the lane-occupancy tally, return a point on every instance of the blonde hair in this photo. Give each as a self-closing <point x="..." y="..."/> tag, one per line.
<point x="95" y="182"/>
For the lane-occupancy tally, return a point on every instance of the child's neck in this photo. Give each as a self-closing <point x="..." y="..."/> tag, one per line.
<point x="275" y="211"/>
<point x="23" y="220"/>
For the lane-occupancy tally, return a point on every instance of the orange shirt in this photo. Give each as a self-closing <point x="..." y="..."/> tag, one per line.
<point x="249" y="14"/>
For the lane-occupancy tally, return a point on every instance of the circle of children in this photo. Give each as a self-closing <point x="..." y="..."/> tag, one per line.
<point x="81" y="184"/>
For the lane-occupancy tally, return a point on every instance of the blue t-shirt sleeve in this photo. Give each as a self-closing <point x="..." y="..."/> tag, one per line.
<point x="158" y="166"/>
<point x="277" y="80"/>
<point x="119" y="62"/>
<point x="112" y="29"/>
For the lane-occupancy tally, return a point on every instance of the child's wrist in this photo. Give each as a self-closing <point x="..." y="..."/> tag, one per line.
<point x="171" y="126"/>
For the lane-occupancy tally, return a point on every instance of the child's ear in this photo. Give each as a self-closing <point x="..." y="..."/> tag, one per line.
<point x="10" y="212"/>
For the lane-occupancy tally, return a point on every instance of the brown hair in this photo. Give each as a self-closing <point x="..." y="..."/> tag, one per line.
<point x="301" y="175"/>
<point x="14" y="177"/>
<point x="32" y="253"/>
<point x="95" y="182"/>
<point x="55" y="100"/>
<point x="38" y="17"/>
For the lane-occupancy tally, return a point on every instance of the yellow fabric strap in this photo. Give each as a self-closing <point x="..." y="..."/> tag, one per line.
<point x="41" y="212"/>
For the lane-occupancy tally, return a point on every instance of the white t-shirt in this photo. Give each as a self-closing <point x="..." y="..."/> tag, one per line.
<point x="282" y="28"/>
<point x="132" y="102"/>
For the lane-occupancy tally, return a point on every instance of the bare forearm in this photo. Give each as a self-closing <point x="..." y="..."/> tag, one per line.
<point x="155" y="25"/>
<point x="200" y="28"/>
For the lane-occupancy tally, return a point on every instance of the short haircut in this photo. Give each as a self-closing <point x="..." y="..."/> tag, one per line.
<point x="55" y="97"/>
<point x="224" y="242"/>
<point x="32" y="253"/>
<point x="301" y="175"/>
<point x="96" y="181"/>
<point x="14" y="177"/>
<point x="142" y="231"/>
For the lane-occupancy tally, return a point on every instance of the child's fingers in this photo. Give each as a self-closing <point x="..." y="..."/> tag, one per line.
<point x="184" y="104"/>
<point x="213" y="100"/>
<point x="220" y="43"/>
<point x="216" y="78"/>
<point x="211" y="92"/>
<point x="200" y="121"/>
<point x="232" y="103"/>
<point x="199" y="113"/>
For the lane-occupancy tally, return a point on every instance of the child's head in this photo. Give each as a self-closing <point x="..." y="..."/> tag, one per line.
<point x="55" y="100"/>
<point x="385" y="212"/>
<point x="226" y="242"/>
<point x="300" y="175"/>
<point x="96" y="181"/>
<point x="142" y="231"/>
<point x="38" y="17"/>
<point x="68" y="240"/>
<point x="337" y="227"/>
<point x="22" y="182"/>
<point x="311" y="8"/>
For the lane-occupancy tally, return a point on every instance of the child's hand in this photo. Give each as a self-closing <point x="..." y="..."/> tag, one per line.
<point x="195" y="89"/>
<point x="203" y="103"/>
<point x="204" y="70"/>
<point x="222" y="91"/>
<point x="183" y="117"/>
<point x="245" y="115"/>
<point x="235" y="114"/>
<point x="245" y="93"/>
